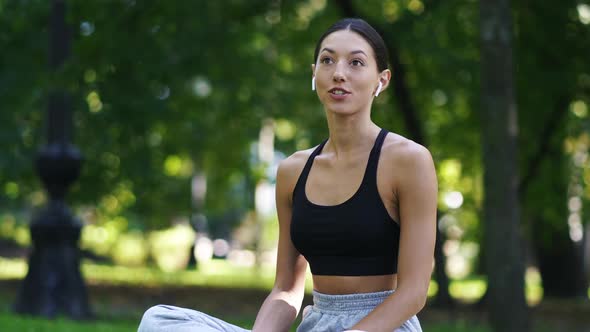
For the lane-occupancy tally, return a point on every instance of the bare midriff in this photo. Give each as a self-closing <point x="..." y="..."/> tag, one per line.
<point x="352" y="285"/>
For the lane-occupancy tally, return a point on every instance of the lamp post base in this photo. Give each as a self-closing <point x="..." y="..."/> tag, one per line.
<point x="54" y="283"/>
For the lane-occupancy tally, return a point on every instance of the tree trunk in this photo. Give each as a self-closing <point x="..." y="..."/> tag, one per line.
<point x="504" y="261"/>
<point x="443" y="298"/>
<point x="560" y="264"/>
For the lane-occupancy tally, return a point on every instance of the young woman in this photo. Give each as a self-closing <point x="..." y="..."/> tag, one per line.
<point x="360" y="208"/>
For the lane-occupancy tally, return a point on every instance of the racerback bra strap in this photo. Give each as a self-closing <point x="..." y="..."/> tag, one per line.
<point x="305" y="172"/>
<point x="371" y="171"/>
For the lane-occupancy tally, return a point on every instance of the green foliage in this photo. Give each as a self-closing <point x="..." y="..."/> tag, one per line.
<point x="164" y="87"/>
<point x="551" y="67"/>
<point x="171" y="247"/>
<point x="162" y="90"/>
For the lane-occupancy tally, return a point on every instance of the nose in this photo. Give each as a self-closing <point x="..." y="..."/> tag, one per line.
<point x="339" y="72"/>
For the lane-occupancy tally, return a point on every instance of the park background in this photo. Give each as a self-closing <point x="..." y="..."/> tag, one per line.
<point x="183" y="109"/>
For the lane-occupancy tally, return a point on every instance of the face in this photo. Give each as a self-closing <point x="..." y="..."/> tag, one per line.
<point x="346" y="73"/>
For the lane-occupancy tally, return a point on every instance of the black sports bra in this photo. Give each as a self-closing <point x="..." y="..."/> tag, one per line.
<point x="354" y="238"/>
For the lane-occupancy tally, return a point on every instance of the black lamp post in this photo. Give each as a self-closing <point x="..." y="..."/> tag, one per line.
<point x="54" y="283"/>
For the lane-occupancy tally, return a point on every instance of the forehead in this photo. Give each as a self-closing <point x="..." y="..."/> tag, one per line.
<point x="346" y="41"/>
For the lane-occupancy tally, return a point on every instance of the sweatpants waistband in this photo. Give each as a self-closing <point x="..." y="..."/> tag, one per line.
<point x="329" y="303"/>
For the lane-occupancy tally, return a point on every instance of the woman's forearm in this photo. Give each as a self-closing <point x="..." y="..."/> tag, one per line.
<point x="394" y="311"/>
<point x="278" y="312"/>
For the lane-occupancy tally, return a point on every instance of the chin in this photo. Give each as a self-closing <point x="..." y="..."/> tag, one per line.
<point x="342" y="109"/>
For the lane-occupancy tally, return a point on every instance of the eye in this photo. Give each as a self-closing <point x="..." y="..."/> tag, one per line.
<point x="326" y="60"/>
<point x="357" y="62"/>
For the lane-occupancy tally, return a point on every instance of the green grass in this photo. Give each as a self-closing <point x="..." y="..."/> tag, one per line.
<point x="217" y="273"/>
<point x="10" y="322"/>
<point x="459" y="326"/>
<point x="220" y="273"/>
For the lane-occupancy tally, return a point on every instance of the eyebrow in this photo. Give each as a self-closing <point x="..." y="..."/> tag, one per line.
<point x="329" y="50"/>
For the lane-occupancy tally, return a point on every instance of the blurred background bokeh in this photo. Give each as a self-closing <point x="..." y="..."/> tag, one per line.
<point x="182" y="111"/>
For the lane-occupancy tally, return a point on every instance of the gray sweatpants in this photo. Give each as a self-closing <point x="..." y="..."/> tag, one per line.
<point x="166" y="318"/>
<point x="336" y="313"/>
<point x="329" y="313"/>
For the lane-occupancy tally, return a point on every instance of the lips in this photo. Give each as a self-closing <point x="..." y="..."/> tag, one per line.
<point x="338" y="91"/>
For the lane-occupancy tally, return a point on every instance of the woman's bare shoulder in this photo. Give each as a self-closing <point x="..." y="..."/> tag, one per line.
<point x="400" y="151"/>
<point x="290" y="168"/>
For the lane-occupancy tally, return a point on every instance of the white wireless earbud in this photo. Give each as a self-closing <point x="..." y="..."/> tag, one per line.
<point x="378" y="89"/>
<point x="313" y="83"/>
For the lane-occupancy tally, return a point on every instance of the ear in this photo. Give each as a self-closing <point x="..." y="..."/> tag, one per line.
<point x="385" y="78"/>
<point x="313" y="69"/>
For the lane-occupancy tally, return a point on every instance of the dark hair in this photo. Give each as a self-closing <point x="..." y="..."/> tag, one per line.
<point x="366" y="31"/>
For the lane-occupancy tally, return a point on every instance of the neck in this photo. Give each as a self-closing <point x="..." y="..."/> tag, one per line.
<point x="350" y="133"/>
